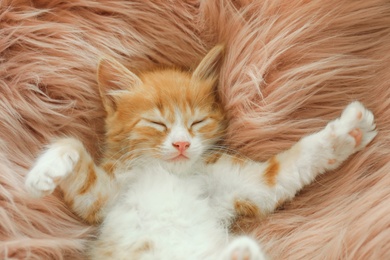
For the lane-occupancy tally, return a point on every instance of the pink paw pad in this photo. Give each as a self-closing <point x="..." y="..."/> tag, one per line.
<point x="238" y="256"/>
<point x="357" y="134"/>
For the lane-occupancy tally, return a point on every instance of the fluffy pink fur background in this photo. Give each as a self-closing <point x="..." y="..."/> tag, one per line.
<point x="290" y="67"/>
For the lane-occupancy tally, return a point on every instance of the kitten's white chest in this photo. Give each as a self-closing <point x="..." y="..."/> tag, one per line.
<point x="168" y="212"/>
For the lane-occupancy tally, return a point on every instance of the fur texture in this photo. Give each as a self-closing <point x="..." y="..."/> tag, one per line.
<point x="291" y="66"/>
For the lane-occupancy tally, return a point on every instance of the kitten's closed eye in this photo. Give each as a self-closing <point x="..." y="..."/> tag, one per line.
<point x="156" y="124"/>
<point x="198" y="122"/>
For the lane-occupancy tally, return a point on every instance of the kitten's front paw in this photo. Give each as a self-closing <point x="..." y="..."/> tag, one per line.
<point x="243" y="248"/>
<point x="52" y="167"/>
<point x="350" y="133"/>
<point x="361" y="123"/>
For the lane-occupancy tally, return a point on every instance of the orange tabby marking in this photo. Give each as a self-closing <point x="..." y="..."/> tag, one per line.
<point x="247" y="214"/>
<point x="90" y="180"/>
<point x="213" y="158"/>
<point x="271" y="172"/>
<point x="246" y="208"/>
<point x="109" y="168"/>
<point x="92" y="216"/>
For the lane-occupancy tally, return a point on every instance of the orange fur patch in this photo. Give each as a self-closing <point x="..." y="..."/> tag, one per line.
<point x="271" y="172"/>
<point x="246" y="208"/>
<point x="109" y="168"/>
<point x="213" y="158"/>
<point x="92" y="216"/>
<point x="90" y="180"/>
<point x="247" y="214"/>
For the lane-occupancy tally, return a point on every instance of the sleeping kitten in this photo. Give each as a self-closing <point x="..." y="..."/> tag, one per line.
<point x="164" y="189"/>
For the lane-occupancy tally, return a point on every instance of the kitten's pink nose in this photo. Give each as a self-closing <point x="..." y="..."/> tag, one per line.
<point x="181" y="146"/>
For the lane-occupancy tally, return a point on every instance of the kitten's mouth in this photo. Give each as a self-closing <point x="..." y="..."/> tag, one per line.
<point x="179" y="158"/>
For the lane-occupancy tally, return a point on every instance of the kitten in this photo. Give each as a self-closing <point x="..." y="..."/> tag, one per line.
<point x="164" y="189"/>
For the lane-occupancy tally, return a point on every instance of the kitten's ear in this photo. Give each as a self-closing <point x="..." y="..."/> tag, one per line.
<point x="113" y="77"/>
<point x="209" y="67"/>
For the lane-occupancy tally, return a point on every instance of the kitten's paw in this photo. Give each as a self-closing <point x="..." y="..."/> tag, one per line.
<point x="243" y="248"/>
<point x="350" y="133"/>
<point x="52" y="167"/>
<point x="361" y="123"/>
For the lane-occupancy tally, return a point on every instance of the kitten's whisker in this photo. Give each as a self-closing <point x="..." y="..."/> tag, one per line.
<point x="227" y="152"/>
<point x="128" y="154"/>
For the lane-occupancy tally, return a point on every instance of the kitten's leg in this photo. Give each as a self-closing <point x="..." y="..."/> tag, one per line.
<point x="287" y="172"/>
<point x="66" y="162"/>
<point x="269" y="184"/>
<point x="241" y="189"/>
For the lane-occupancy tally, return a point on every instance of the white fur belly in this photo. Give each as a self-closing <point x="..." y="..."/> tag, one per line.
<point x="161" y="216"/>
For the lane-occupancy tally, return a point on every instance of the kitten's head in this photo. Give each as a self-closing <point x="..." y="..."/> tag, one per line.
<point x="169" y="116"/>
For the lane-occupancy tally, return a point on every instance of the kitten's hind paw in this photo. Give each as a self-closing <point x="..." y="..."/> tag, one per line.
<point x="52" y="167"/>
<point x="243" y="248"/>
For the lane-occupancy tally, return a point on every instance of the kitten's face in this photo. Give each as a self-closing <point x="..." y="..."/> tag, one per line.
<point x="168" y="117"/>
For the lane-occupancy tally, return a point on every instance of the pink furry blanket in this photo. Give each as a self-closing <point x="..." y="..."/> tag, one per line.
<point x="290" y="66"/>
